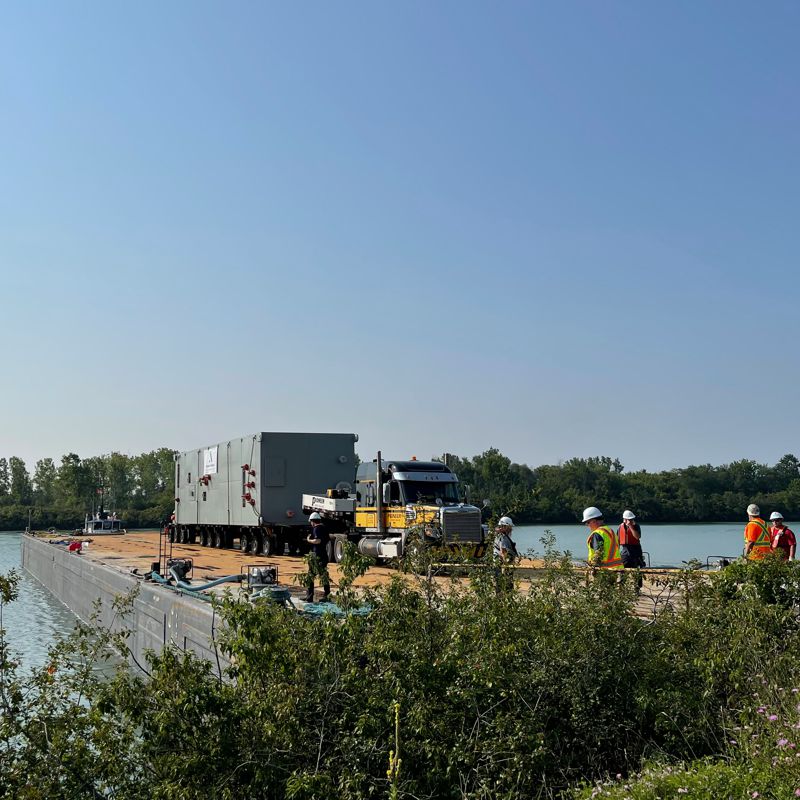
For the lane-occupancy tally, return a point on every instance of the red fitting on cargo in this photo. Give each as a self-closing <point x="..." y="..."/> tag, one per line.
<point x="245" y="467"/>
<point x="252" y="502"/>
<point x="250" y="485"/>
<point x="252" y="472"/>
<point x="246" y="496"/>
<point x="289" y="513"/>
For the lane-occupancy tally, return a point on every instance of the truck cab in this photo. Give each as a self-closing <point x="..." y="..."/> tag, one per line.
<point x="397" y="506"/>
<point x="412" y="503"/>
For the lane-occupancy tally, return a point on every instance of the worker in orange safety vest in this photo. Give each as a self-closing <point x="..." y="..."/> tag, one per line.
<point x="757" y="540"/>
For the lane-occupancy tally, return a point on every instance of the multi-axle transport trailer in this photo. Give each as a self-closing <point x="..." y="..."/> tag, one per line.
<point x="255" y="494"/>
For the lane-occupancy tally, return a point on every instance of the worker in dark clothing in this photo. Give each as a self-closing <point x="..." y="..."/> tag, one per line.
<point x="629" y="536"/>
<point x="317" y="558"/>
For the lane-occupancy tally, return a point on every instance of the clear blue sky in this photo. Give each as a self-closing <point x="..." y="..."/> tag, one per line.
<point x="560" y="229"/>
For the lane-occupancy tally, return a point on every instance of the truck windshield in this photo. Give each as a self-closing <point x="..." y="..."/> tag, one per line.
<point x="428" y="492"/>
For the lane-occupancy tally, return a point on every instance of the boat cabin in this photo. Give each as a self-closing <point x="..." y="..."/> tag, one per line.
<point x="102" y="522"/>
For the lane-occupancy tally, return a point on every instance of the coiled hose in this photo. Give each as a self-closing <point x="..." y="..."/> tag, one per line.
<point x="195" y="591"/>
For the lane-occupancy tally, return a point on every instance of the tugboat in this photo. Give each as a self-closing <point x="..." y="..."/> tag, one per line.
<point x="101" y="524"/>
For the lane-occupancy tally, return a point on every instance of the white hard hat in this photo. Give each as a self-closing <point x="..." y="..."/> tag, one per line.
<point x="628" y="514"/>
<point x="507" y="521"/>
<point x="591" y="513"/>
<point x="753" y="510"/>
<point x="776" y="515"/>
<point x="314" y="517"/>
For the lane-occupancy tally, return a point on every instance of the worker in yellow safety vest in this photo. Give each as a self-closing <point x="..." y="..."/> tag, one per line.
<point x="602" y="541"/>
<point x="757" y="540"/>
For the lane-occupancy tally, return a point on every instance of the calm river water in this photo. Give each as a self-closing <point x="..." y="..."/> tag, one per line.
<point x="36" y="618"/>
<point x="667" y="545"/>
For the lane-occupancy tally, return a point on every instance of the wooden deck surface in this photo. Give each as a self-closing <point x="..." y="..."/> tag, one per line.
<point x="137" y="550"/>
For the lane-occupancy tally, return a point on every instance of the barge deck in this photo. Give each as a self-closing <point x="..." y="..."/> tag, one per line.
<point x="89" y="583"/>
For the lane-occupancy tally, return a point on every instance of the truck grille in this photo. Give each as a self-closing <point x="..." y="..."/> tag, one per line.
<point x="461" y="526"/>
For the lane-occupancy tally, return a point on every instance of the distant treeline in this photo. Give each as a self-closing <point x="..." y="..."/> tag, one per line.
<point x="691" y="494"/>
<point x="141" y="489"/>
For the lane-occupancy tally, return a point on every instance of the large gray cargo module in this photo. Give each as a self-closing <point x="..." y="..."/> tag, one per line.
<point x="252" y="488"/>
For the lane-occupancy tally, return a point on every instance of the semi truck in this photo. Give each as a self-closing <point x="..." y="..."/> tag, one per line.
<point x="399" y="507"/>
<point x="255" y="493"/>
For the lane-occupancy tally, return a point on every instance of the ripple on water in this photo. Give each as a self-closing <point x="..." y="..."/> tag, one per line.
<point x="36" y="619"/>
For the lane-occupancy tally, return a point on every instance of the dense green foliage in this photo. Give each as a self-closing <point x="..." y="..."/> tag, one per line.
<point x="693" y="494"/>
<point x="760" y="759"/>
<point x="444" y="691"/>
<point x="139" y="488"/>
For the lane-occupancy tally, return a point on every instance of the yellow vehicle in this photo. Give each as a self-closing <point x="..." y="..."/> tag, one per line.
<point x="397" y="507"/>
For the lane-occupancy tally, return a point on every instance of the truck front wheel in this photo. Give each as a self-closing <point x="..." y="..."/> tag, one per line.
<point x="338" y="548"/>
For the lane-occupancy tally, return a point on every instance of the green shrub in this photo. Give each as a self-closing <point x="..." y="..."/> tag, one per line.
<point x="699" y="780"/>
<point x="498" y="694"/>
<point x="773" y="580"/>
<point x="758" y="759"/>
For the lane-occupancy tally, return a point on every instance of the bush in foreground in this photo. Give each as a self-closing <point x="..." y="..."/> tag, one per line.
<point x="464" y="691"/>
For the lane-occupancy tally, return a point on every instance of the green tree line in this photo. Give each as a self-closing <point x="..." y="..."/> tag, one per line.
<point x="139" y="488"/>
<point x="558" y="493"/>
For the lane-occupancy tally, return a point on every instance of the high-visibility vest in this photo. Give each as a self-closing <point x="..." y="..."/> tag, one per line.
<point x="763" y="544"/>
<point x="625" y="534"/>
<point x="611" y="558"/>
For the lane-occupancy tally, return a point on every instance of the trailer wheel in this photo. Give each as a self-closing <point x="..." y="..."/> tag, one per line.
<point x="255" y="543"/>
<point x="338" y="548"/>
<point x="217" y="539"/>
<point x="171" y="534"/>
<point x="243" y="541"/>
<point x="268" y="545"/>
<point x="204" y="537"/>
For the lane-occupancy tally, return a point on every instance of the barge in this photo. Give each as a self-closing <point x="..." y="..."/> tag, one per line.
<point x="110" y="567"/>
<point x="161" y="616"/>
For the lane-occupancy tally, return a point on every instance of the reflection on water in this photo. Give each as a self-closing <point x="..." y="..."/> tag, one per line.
<point x="36" y="618"/>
